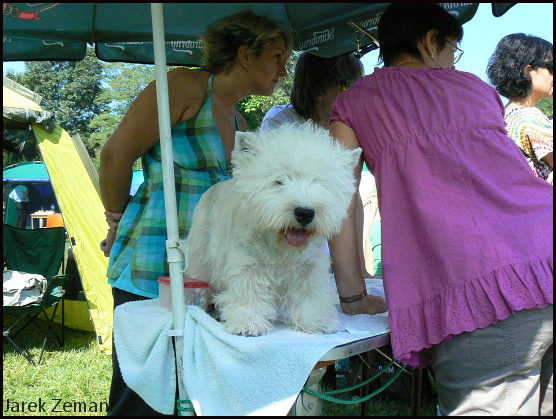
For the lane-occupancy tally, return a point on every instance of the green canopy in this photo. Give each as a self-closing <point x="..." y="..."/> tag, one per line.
<point x="123" y="31"/>
<point x="32" y="171"/>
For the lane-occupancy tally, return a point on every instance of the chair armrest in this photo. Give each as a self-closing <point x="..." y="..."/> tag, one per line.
<point x="55" y="289"/>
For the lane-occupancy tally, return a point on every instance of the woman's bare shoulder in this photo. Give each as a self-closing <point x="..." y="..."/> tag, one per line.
<point x="187" y="79"/>
<point x="187" y="90"/>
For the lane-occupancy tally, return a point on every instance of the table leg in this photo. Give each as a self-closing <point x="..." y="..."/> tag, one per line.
<point x="416" y="390"/>
<point x="365" y="375"/>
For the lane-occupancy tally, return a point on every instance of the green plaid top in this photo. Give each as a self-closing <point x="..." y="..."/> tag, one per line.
<point x="138" y="256"/>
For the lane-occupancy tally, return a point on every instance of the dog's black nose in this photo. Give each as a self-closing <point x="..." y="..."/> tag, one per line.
<point x="304" y="215"/>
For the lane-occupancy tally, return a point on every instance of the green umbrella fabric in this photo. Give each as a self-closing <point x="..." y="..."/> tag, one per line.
<point x="123" y="31"/>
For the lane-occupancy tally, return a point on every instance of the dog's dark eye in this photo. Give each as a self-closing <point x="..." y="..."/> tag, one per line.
<point x="278" y="183"/>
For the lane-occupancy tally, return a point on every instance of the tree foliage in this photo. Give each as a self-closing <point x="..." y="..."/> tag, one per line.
<point x="90" y="97"/>
<point x="87" y="97"/>
<point x="546" y="106"/>
<point x="72" y="91"/>
<point x="123" y="83"/>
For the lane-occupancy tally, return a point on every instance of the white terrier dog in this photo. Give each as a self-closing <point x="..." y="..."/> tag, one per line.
<point x="258" y="238"/>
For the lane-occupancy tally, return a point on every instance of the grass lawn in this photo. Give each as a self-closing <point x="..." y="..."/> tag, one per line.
<point x="74" y="380"/>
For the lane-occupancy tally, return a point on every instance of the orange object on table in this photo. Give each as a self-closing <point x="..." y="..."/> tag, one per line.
<point x="54" y="220"/>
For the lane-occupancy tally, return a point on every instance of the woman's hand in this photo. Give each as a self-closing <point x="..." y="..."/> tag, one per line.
<point x="113" y="220"/>
<point x="370" y="304"/>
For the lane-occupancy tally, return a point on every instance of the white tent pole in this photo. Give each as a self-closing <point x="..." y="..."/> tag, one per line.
<point x="175" y="256"/>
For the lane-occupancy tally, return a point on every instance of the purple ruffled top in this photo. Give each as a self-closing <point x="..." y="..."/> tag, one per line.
<point x="466" y="226"/>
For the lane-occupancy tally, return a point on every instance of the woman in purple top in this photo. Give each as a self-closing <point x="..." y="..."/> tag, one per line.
<point x="467" y="262"/>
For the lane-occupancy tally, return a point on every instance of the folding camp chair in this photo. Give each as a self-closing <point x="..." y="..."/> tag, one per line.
<point x="39" y="251"/>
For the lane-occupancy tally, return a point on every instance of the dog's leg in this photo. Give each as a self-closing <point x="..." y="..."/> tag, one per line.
<point x="309" y="303"/>
<point x="248" y="304"/>
<point x="198" y="260"/>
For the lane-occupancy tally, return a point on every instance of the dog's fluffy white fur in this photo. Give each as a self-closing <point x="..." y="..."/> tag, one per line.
<point x="258" y="238"/>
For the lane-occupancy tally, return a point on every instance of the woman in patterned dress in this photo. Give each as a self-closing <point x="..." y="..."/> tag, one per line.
<point x="245" y="54"/>
<point x="521" y="70"/>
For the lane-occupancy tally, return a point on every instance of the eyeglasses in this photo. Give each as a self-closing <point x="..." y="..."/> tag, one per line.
<point x="456" y="57"/>
<point x="547" y="64"/>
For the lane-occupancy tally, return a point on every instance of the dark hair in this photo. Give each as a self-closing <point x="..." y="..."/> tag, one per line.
<point x="314" y="76"/>
<point x="402" y="26"/>
<point x="506" y="66"/>
<point x="223" y="38"/>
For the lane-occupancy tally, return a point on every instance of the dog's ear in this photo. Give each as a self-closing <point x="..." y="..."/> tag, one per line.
<point x="244" y="141"/>
<point x="244" y="148"/>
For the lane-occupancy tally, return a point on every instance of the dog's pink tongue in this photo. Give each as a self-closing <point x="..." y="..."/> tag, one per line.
<point x="297" y="237"/>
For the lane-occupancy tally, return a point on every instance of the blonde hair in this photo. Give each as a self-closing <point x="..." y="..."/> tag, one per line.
<point x="223" y="38"/>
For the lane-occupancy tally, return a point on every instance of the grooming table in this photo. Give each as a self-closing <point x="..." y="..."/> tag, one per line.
<point x="221" y="368"/>
<point x="307" y="405"/>
<point x="353" y="348"/>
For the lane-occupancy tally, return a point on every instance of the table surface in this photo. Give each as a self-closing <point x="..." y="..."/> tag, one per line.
<point x="356" y="347"/>
<point x="42" y="214"/>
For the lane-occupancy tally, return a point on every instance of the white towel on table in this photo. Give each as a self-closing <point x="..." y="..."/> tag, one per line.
<point x="224" y="374"/>
<point x="145" y="352"/>
<point x="238" y="376"/>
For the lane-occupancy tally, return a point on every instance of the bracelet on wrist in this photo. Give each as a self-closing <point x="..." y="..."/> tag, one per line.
<point x="353" y="298"/>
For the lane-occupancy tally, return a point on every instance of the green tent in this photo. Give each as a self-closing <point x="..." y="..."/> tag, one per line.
<point x="75" y="185"/>
<point x="29" y="171"/>
<point x="34" y="176"/>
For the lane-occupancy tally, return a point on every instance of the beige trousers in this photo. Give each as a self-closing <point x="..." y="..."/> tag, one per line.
<point x="503" y="369"/>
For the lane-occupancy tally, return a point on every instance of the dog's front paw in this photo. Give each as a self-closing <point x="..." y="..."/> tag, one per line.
<point x="253" y="327"/>
<point x="241" y="321"/>
<point x="325" y="321"/>
<point x="330" y="326"/>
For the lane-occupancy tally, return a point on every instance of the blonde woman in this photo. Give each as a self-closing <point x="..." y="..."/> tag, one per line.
<point x="245" y="54"/>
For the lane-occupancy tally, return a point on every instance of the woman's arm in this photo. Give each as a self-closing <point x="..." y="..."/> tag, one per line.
<point x="344" y="246"/>
<point x="549" y="159"/>
<point x="360" y="225"/>
<point x="135" y="135"/>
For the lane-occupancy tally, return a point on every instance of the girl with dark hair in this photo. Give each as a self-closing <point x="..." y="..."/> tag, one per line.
<point x="467" y="257"/>
<point x="521" y="70"/>
<point x="317" y="82"/>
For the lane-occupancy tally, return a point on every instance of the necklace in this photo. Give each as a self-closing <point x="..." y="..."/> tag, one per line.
<point x="404" y="62"/>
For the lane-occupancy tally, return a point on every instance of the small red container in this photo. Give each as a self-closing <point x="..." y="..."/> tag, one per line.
<point x="196" y="292"/>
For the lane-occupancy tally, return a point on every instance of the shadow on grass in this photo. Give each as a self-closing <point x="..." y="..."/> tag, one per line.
<point x="31" y="337"/>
